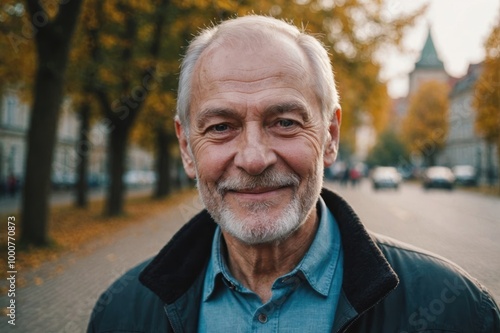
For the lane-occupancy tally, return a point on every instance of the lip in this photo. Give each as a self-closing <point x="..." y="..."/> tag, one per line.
<point x="259" y="193"/>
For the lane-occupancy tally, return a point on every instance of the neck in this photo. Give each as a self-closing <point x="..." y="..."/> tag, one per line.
<point x="258" y="266"/>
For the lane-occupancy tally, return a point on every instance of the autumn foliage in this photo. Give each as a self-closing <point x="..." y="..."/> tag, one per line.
<point x="425" y="126"/>
<point x="486" y="99"/>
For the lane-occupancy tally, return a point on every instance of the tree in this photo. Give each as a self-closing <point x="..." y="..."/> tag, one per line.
<point x="53" y="28"/>
<point x="127" y="57"/>
<point x="388" y="151"/>
<point x="425" y="126"/>
<point x="154" y="131"/>
<point x="80" y="88"/>
<point x="486" y="98"/>
<point x="17" y="59"/>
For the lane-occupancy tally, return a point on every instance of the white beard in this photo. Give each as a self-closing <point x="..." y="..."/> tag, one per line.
<point x="258" y="226"/>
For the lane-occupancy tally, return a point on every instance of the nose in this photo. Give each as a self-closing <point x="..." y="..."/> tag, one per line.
<point x="254" y="154"/>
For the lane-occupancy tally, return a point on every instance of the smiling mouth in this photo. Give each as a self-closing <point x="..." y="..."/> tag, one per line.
<point x="259" y="193"/>
<point x="258" y="190"/>
<point x="258" y="187"/>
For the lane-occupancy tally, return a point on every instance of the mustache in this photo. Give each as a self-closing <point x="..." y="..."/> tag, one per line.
<point x="269" y="178"/>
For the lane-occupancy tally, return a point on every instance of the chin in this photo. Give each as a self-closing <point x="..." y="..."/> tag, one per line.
<point x="261" y="227"/>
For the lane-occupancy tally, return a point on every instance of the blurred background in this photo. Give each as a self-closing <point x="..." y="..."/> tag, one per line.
<point x="88" y="90"/>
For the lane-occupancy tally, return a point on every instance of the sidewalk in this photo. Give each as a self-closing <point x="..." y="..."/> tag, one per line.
<point x="10" y="204"/>
<point x="72" y="284"/>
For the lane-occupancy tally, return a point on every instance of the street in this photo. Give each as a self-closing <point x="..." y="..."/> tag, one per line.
<point x="459" y="225"/>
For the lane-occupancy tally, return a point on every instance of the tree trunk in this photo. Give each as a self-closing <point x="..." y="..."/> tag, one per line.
<point x="163" y="164"/>
<point x="40" y="151"/>
<point x="498" y="166"/>
<point x="52" y="43"/>
<point x="117" y="150"/>
<point x="83" y="149"/>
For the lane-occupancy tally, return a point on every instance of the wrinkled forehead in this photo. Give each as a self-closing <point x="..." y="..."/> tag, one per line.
<point x="252" y="53"/>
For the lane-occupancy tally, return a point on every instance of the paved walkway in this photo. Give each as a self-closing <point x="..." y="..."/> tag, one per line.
<point x="10" y="204"/>
<point x="72" y="284"/>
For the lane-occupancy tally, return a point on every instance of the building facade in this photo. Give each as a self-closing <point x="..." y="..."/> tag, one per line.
<point x="463" y="145"/>
<point x="14" y="125"/>
<point x="14" y="117"/>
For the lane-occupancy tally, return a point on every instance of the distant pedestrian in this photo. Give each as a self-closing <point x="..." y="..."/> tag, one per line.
<point x="12" y="184"/>
<point x="354" y="176"/>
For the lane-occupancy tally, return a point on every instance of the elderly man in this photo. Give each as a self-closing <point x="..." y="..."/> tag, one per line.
<point x="258" y="119"/>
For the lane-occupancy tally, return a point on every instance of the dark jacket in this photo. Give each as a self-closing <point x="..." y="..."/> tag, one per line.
<point x="387" y="286"/>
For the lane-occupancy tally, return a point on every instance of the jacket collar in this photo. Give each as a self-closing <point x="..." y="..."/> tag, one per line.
<point x="368" y="277"/>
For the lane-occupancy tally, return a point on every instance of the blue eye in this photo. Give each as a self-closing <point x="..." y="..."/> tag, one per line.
<point x="220" y="127"/>
<point x="286" y="123"/>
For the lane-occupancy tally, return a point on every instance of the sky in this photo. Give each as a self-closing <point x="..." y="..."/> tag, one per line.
<point x="459" y="29"/>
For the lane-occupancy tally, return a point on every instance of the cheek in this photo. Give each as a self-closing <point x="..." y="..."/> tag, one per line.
<point x="301" y="156"/>
<point x="211" y="160"/>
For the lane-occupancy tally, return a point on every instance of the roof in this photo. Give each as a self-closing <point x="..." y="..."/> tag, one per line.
<point x="429" y="57"/>
<point x="468" y="80"/>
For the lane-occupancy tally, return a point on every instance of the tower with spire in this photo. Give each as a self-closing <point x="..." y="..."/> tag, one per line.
<point x="428" y="67"/>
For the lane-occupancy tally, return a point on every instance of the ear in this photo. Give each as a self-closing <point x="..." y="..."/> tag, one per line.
<point x="187" y="158"/>
<point x="333" y="136"/>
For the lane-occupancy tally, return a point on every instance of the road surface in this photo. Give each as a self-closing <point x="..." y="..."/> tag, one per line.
<point x="460" y="225"/>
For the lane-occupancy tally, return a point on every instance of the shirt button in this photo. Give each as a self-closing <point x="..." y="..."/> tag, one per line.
<point x="262" y="318"/>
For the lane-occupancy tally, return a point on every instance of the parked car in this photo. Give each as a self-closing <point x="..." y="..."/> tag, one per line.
<point x="137" y="178"/>
<point x="438" y="177"/>
<point x="465" y="175"/>
<point x="385" y="177"/>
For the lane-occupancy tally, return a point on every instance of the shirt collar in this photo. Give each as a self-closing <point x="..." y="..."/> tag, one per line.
<point x="322" y="259"/>
<point x="318" y="266"/>
<point x="217" y="268"/>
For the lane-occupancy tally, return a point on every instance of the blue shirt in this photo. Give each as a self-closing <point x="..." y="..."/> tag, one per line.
<point x="304" y="300"/>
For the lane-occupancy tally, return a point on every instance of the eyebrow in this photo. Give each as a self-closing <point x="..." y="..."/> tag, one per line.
<point x="281" y="108"/>
<point x="208" y="113"/>
<point x="272" y="110"/>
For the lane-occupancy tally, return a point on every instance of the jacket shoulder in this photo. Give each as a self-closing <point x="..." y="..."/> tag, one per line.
<point x="434" y="293"/>
<point x="128" y="306"/>
<point x="406" y="259"/>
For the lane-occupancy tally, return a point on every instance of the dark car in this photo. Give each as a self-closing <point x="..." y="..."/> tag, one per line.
<point x="465" y="175"/>
<point x="438" y="177"/>
<point x="385" y="177"/>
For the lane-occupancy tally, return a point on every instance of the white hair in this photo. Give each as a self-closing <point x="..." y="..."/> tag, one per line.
<point x="238" y="28"/>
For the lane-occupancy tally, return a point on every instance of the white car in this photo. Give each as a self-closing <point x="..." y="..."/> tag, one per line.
<point x="385" y="177"/>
